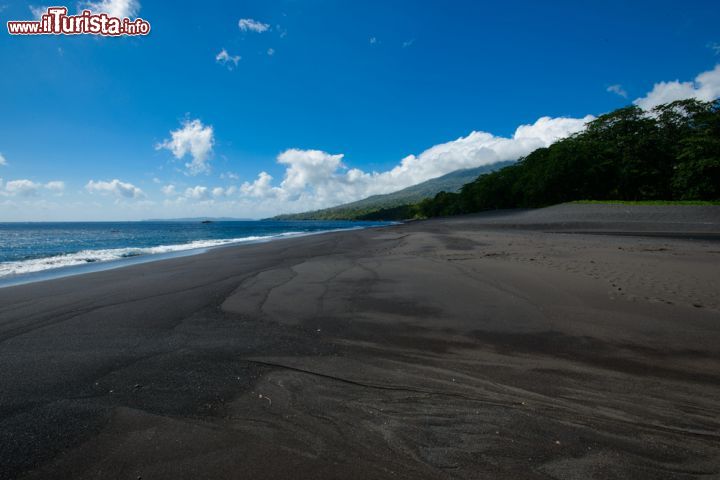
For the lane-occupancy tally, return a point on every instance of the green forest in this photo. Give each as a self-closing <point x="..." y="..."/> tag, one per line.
<point x="669" y="154"/>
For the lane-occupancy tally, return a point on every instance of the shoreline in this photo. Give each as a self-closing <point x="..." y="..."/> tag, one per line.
<point x="91" y="267"/>
<point x="448" y="348"/>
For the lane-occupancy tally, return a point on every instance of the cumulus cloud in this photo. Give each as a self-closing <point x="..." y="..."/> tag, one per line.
<point x="270" y="52"/>
<point x="230" y="61"/>
<point x="307" y="167"/>
<point x="197" y="193"/>
<point x="260" y="188"/>
<point x="3" y="161"/>
<point x="408" y="43"/>
<point x="114" y="8"/>
<point x="617" y="90"/>
<point x="317" y="179"/>
<point x="193" y="139"/>
<point x="168" y="190"/>
<point x="220" y="192"/>
<point x="705" y="87"/>
<point x="23" y="188"/>
<point x="250" y="25"/>
<point x="477" y="149"/>
<point x="373" y="40"/>
<point x="116" y="188"/>
<point x="28" y="188"/>
<point x="55" y="186"/>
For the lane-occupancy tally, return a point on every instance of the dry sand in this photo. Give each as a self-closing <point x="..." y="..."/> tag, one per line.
<point x="502" y="346"/>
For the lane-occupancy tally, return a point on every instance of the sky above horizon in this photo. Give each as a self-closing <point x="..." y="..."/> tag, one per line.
<point x="253" y="108"/>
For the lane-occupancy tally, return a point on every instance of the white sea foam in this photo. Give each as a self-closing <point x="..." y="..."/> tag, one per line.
<point x="96" y="256"/>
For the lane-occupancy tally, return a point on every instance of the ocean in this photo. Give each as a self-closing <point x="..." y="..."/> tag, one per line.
<point x="36" y="251"/>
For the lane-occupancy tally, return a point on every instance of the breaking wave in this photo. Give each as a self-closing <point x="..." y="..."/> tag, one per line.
<point x="85" y="257"/>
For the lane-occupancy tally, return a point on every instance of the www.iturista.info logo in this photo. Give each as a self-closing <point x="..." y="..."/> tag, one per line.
<point x="56" y="21"/>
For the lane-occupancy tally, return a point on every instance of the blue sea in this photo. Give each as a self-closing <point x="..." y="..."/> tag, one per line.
<point x="32" y="251"/>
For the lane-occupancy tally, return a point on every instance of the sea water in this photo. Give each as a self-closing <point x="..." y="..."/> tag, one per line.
<point x="29" y="250"/>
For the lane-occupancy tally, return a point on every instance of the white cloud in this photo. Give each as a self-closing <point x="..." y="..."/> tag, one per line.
<point x="219" y="192"/>
<point x="261" y="187"/>
<point x="482" y="148"/>
<point x="226" y="59"/>
<point x="307" y="167"/>
<point x="38" y="11"/>
<point x="194" y="139"/>
<point x="544" y="132"/>
<point x="3" y="161"/>
<point x="168" y="190"/>
<point x="271" y="52"/>
<point x="317" y="179"/>
<point x="715" y="47"/>
<point x="250" y="25"/>
<point x="56" y="186"/>
<point x="114" y="8"/>
<point x="618" y="90"/>
<point x="115" y="187"/>
<point x="373" y="40"/>
<point x="197" y="193"/>
<point x="408" y="43"/>
<point x="705" y="87"/>
<point x="23" y="188"/>
<point x="28" y="188"/>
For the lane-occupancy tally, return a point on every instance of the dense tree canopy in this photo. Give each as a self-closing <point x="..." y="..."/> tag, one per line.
<point x="670" y="153"/>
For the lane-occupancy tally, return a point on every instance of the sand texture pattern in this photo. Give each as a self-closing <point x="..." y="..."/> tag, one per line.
<point x="576" y="342"/>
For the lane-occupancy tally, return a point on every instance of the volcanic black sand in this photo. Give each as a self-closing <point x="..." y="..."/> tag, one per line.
<point x="578" y="341"/>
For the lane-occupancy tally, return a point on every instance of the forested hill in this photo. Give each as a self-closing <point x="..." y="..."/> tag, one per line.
<point x="451" y="182"/>
<point x="671" y="153"/>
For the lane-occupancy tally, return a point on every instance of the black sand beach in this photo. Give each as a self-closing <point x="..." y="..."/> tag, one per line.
<point x="580" y="341"/>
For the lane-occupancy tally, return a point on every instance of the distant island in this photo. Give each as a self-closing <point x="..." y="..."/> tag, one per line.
<point x="200" y="219"/>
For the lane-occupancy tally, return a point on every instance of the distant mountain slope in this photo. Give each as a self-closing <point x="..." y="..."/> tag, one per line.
<point x="451" y="182"/>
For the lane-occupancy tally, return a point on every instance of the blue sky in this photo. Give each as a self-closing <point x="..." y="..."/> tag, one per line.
<point x="330" y="101"/>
